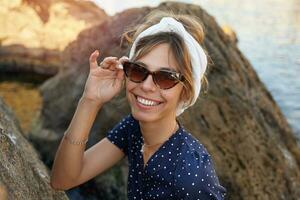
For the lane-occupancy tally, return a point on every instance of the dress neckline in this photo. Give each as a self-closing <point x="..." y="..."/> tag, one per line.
<point x="156" y="153"/>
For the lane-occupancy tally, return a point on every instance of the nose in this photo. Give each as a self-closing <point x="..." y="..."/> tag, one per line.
<point x="148" y="84"/>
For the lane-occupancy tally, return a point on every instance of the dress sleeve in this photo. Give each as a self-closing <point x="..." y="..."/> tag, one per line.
<point x="195" y="178"/>
<point x="119" y="134"/>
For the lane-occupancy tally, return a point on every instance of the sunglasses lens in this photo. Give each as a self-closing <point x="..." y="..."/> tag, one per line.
<point x="165" y="80"/>
<point x="135" y="72"/>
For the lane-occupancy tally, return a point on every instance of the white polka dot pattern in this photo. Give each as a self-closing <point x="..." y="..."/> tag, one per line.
<point x="180" y="169"/>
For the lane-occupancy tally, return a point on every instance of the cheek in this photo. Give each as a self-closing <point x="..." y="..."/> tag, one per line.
<point x="172" y="95"/>
<point x="129" y="85"/>
<point x="183" y="96"/>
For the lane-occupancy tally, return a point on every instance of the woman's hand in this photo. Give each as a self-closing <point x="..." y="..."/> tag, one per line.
<point x="104" y="81"/>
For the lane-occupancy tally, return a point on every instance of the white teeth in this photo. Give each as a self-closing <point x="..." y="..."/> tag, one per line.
<point x="146" y="102"/>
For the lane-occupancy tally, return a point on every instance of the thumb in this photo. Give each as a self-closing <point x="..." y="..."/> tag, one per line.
<point x="93" y="59"/>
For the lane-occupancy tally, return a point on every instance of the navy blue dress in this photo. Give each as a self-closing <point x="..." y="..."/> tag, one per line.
<point x="180" y="169"/>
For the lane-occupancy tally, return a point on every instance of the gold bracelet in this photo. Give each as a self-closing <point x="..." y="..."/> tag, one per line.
<point x="71" y="141"/>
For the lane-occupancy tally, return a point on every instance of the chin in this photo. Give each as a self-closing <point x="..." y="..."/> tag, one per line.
<point x="147" y="111"/>
<point x="145" y="117"/>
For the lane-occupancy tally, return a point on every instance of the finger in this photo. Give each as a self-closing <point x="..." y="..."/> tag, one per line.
<point x="107" y="62"/>
<point x="109" y="66"/>
<point x="118" y="83"/>
<point x="93" y="59"/>
<point x="120" y="74"/>
<point x="121" y="61"/>
<point x="104" y="73"/>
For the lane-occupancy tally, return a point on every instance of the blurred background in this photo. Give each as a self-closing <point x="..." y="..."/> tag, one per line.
<point x="269" y="36"/>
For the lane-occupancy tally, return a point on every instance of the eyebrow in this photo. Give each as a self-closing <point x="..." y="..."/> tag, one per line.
<point x="161" y="68"/>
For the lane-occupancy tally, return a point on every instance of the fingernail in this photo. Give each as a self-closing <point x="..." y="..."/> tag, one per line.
<point x="120" y="66"/>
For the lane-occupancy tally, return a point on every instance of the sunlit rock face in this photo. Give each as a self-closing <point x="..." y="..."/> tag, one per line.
<point x="230" y="33"/>
<point x="22" y="174"/>
<point x="253" y="147"/>
<point x="34" y="33"/>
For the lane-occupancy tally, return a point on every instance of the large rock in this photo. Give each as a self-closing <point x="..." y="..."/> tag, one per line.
<point x="253" y="147"/>
<point x="34" y="33"/>
<point x="3" y="192"/>
<point x="22" y="174"/>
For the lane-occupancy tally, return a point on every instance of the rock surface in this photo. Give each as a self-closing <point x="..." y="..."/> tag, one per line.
<point x="253" y="147"/>
<point x="3" y="193"/>
<point x="230" y="33"/>
<point x="22" y="174"/>
<point x="34" y="33"/>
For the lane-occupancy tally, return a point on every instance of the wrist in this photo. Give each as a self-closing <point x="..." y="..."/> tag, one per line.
<point x="74" y="142"/>
<point x="90" y="102"/>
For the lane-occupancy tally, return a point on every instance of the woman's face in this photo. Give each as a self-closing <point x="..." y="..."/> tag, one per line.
<point x="148" y="102"/>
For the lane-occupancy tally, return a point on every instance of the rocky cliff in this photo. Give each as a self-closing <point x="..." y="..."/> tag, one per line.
<point x="33" y="33"/>
<point x="22" y="173"/>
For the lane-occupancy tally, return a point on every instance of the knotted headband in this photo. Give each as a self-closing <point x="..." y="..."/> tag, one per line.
<point x="197" y="55"/>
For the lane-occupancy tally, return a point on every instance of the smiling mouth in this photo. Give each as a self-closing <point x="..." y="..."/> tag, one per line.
<point x="146" y="102"/>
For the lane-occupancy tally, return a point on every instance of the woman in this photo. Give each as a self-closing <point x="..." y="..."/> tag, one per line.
<point x="164" y="72"/>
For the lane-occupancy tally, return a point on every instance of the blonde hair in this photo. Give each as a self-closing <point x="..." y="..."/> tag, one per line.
<point x="176" y="43"/>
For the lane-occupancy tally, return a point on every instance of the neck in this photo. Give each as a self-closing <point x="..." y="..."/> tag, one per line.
<point x="158" y="131"/>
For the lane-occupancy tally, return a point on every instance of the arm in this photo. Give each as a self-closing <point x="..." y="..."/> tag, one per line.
<point x="72" y="165"/>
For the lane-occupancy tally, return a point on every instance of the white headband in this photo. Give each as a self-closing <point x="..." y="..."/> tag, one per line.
<point x="197" y="55"/>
